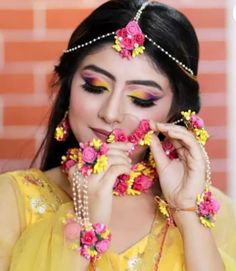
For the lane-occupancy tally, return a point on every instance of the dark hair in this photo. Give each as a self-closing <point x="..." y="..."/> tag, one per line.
<point x="170" y="28"/>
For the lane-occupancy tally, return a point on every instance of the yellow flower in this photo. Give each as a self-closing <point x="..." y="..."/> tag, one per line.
<point x="163" y="208"/>
<point x="202" y="135"/>
<point x="101" y="164"/>
<point x="187" y="114"/>
<point x="199" y="199"/>
<point x="207" y="223"/>
<point x="92" y="252"/>
<point x="111" y="138"/>
<point x="152" y="160"/>
<point x="117" y="46"/>
<point x="147" y="172"/>
<point x="134" y="174"/>
<point x="59" y="133"/>
<point x="63" y="158"/>
<point x="147" y="139"/>
<point x="138" y="51"/>
<point x="96" y="143"/>
<point x="140" y="167"/>
<point x="133" y="192"/>
<point x="74" y="246"/>
<point x="105" y="234"/>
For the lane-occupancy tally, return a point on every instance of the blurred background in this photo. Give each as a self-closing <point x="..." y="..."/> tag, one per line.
<point x="33" y="34"/>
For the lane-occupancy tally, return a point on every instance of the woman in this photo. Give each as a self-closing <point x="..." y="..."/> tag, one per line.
<point x="129" y="71"/>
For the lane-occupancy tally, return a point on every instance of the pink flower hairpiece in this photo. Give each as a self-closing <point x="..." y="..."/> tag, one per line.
<point x="129" y="40"/>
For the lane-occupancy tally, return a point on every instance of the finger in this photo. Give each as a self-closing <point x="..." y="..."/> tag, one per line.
<point x="158" y="153"/>
<point x="118" y="159"/>
<point x="123" y="146"/>
<point x="185" y="138"/>
<point x="117" y="152"/>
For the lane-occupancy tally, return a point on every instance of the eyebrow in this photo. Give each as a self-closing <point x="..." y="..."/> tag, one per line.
<point x="149" y="83"/>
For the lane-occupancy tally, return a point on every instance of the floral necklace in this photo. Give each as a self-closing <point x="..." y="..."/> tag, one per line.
<point x="91" y="158"/>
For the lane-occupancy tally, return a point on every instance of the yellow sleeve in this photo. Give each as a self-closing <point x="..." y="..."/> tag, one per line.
<point x="225" y="231"/>
<point x="11" y="222"/>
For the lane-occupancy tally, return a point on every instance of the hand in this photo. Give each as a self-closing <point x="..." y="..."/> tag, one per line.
<point x="100" y="186"/>
<point x="183" y="178"/>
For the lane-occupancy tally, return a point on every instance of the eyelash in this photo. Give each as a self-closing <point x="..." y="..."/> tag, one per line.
<point x="93" y="89"/>
<point x="99" y="90"/>
<point x="141" y="102"/>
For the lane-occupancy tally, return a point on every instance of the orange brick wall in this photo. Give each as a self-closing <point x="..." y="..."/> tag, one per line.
<point x="34" y="33"/>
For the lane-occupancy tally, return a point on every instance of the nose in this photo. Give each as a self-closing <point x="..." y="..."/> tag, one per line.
<point x="112" y="109"/>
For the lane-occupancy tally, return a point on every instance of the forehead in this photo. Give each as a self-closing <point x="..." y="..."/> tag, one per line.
<point x="140" y="67"/>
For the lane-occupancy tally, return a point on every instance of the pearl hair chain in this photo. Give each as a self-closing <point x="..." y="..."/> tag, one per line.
<point x="185" y="68"/>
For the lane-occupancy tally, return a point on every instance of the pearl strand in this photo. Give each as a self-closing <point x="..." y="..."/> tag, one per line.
<point x="208" y="166"/>
<point x="88" y="42"/>
<point x="77" y="201"/>
<point x="86" y="203"/>
<point x="81" y="199"/>
<point x="139" y="12"/>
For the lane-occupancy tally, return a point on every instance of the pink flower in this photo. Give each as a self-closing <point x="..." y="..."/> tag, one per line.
<point x="121" y="184"/>
<point x="86" y="170"/>
<point x="84" y="252"/>
<point x="127" y="43"/>
<point x="139" y="38"/>
<point x="134" y="138"/>
<point x="133" y="28"/>
<point x="197" y="122"/>
<point x="169" y="149"/>
<point x="144" y="126"/>
<point x="209" y="206"/>
<point x="72" y="230"/>
<point x="142" y="183"/>
<point x="68" y="164"/>
<point x="103" y="149"/>
<point x="88" y="238"/>
<point x="122" y="33"/>
<point x="125" y="54"/>
<point x="139" y="133"/>
<point x="102" y="246"/>
<point x="120" y="136"/>
<point x="99" y="228"/>
<point x="89" y="155"/>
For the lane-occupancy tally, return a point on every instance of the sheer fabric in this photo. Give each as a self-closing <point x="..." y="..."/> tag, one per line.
<point x="40" y="246"/>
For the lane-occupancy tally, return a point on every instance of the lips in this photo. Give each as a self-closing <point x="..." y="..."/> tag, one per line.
<point x="100" y="133"/>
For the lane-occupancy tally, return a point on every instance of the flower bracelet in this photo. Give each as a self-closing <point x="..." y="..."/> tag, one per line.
<point x="90" y="241"/>
<point x="206" y="208"/>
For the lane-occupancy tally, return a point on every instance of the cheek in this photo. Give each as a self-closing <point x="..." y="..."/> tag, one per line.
<point x="158" y="113"/>
<point x="162" y="110"/>
<point x="81" y="106"/>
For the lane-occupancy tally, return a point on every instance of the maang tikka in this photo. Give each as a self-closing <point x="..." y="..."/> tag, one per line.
<point x="129" y="42"/>
<point x="62" y="129"/>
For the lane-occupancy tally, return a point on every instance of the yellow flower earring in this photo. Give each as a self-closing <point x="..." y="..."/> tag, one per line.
<point x="62" y="129"/>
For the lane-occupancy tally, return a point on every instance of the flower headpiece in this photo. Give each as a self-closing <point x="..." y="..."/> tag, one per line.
<point x="129" y="42"/>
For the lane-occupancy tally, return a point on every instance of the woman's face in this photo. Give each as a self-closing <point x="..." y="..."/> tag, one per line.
<point x="109" y="92"/>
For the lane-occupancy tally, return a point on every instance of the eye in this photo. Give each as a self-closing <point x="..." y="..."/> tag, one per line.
<point x="93" y="89"/>
<point x="141" y="102"/>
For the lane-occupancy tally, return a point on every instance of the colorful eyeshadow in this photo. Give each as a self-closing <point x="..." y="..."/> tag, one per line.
<point x="96" y="82"/>
<point x="144" y="95"/>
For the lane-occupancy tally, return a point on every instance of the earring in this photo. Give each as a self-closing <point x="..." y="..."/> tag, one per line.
<point x="62" y="129"/>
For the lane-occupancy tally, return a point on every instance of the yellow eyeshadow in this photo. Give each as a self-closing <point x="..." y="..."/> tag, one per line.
<point x="143" y="95"/>
<point x="99" y="83"/>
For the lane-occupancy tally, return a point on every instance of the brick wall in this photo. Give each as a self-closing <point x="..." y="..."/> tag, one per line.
<point x="32" y="36"/>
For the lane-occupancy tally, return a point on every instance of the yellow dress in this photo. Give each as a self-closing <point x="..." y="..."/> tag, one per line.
<point x="41" y="246"/>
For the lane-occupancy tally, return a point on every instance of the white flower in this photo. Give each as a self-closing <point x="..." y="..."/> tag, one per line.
<point x="133" y="262"/>
<point x="38" y="205"/>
